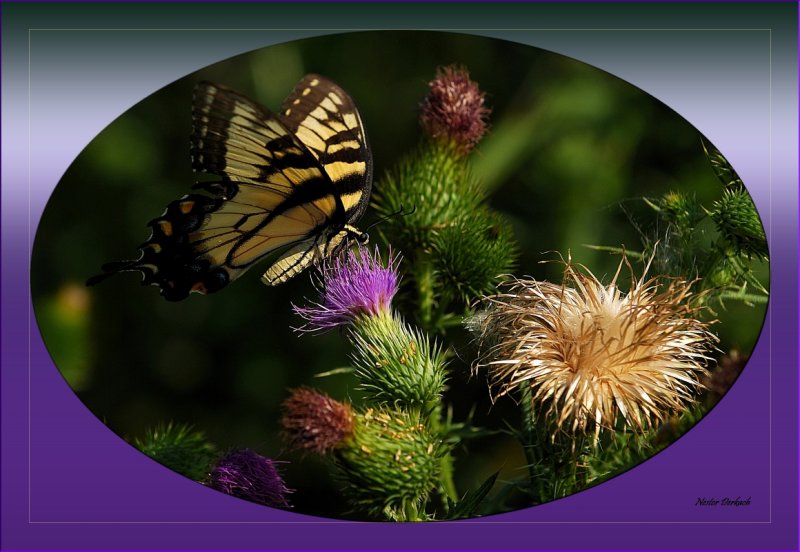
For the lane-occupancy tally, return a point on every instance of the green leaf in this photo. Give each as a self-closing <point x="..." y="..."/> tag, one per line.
<point x="722" y="168"/>
<point x="470" y="503"/>
<point x="336" y="372"/>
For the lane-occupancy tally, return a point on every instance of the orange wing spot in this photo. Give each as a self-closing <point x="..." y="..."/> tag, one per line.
<point x="166" y="227"/>
<point x="186" y="207"/>
<point x="154" y="247"/>
<point x="199" y="287"/>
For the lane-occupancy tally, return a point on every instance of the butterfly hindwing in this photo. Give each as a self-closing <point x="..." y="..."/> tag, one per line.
<point x="277" y="191"/>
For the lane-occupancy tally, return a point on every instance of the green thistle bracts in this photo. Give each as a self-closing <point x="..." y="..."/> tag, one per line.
<point x="435" y="183"/>
<point x="682" y="212"/>
<point x="735" y="214"/>
<point x="390" y="464"/>
<point x="454" y="245"/>
<point x="179" y="448"/>
<point x="738" y="223"/>
<point x="468" y="272"/>
<point x="395" y="363"/>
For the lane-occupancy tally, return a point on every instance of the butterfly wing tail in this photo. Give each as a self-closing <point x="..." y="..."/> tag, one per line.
<point x="110" y="269"/>
<point x="169" y="258"/>
<point x="175" y="278"/>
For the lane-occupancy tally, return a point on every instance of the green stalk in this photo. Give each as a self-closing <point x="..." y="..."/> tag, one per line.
<point x="529" y="438"/>
<point x="446" y="482"/>
<point x="424" y="277"/>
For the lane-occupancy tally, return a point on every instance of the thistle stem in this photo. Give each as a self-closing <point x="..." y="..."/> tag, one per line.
<point x="411" y="513"/>
<point x="446" y="482"/>
<point x="528" y="436"/>
<point x="425" y="286"/>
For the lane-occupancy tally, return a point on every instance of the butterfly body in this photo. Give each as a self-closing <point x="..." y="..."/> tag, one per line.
<point x="292" y="183"/>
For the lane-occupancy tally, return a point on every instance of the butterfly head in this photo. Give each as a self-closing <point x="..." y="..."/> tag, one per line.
<point x="362" y="238"/>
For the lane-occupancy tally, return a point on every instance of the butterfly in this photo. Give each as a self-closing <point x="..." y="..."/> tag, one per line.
<point x="292" y="184"/>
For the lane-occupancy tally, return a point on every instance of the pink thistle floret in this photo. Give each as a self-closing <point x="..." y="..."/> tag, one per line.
<point x="315" y="422"/>
<point x="453" y="111"/>
<point x="351" y="286"/>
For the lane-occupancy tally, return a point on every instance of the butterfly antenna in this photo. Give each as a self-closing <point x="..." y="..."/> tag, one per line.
<point x="399" y="213"/>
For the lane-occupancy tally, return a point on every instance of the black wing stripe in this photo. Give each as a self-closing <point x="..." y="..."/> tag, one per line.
<point x="325" y="118"/>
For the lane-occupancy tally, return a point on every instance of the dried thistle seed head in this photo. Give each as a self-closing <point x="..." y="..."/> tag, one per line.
<point x="316" y="422"/>
<point x="591" y="353"/>
<point x="453" y="110"/>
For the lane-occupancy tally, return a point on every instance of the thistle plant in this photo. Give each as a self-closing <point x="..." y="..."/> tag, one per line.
<point x="392" y="454"/>
<point x="315" y="422"/>
<point x="599" y="369"/>
<point x="395" y="363"/>
<point x="386" y="458"/>
<point x="392" y="464"/>
<point x="589" y="359"/>
<point x="723" y="247"/>
<point x="453" y="244"/>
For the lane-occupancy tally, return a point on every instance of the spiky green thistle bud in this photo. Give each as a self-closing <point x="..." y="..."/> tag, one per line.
<point x="395" y="363"/>
<point x="471" y="253"/>
<point x="681" y="211"/>
<point x="738" y="222"/>
<point x="180" y="448"/>
<point x="390" y="464"/>
<point x="431" y="188"/>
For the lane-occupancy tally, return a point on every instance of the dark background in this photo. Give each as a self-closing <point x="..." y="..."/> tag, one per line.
<point x="570" y="153"/>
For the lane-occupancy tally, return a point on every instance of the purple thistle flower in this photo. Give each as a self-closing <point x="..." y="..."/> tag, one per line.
<point x="248" y="475"/>
<point x="351" y="285"/>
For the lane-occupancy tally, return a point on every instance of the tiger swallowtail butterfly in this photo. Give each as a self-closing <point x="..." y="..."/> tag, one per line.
<point x="291" y="184"/>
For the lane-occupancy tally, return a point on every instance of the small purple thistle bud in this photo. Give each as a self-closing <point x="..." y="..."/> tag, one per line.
<point x="316" y="422"/>
<point x="248" y="475"/>
<point x="453" y="110"/>
<point x="351" y="286"/>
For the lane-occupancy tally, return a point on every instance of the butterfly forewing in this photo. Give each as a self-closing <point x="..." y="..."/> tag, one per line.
<point x="325" y="119"/>
<point x="280" y="188"/>
<point x="238" y="139"/>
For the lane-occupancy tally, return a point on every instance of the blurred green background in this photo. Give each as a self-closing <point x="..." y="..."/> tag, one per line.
<point x="571" y="151"/>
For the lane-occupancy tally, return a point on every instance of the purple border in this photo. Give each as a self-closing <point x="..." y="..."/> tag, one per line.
<point x="88" y="489"/>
